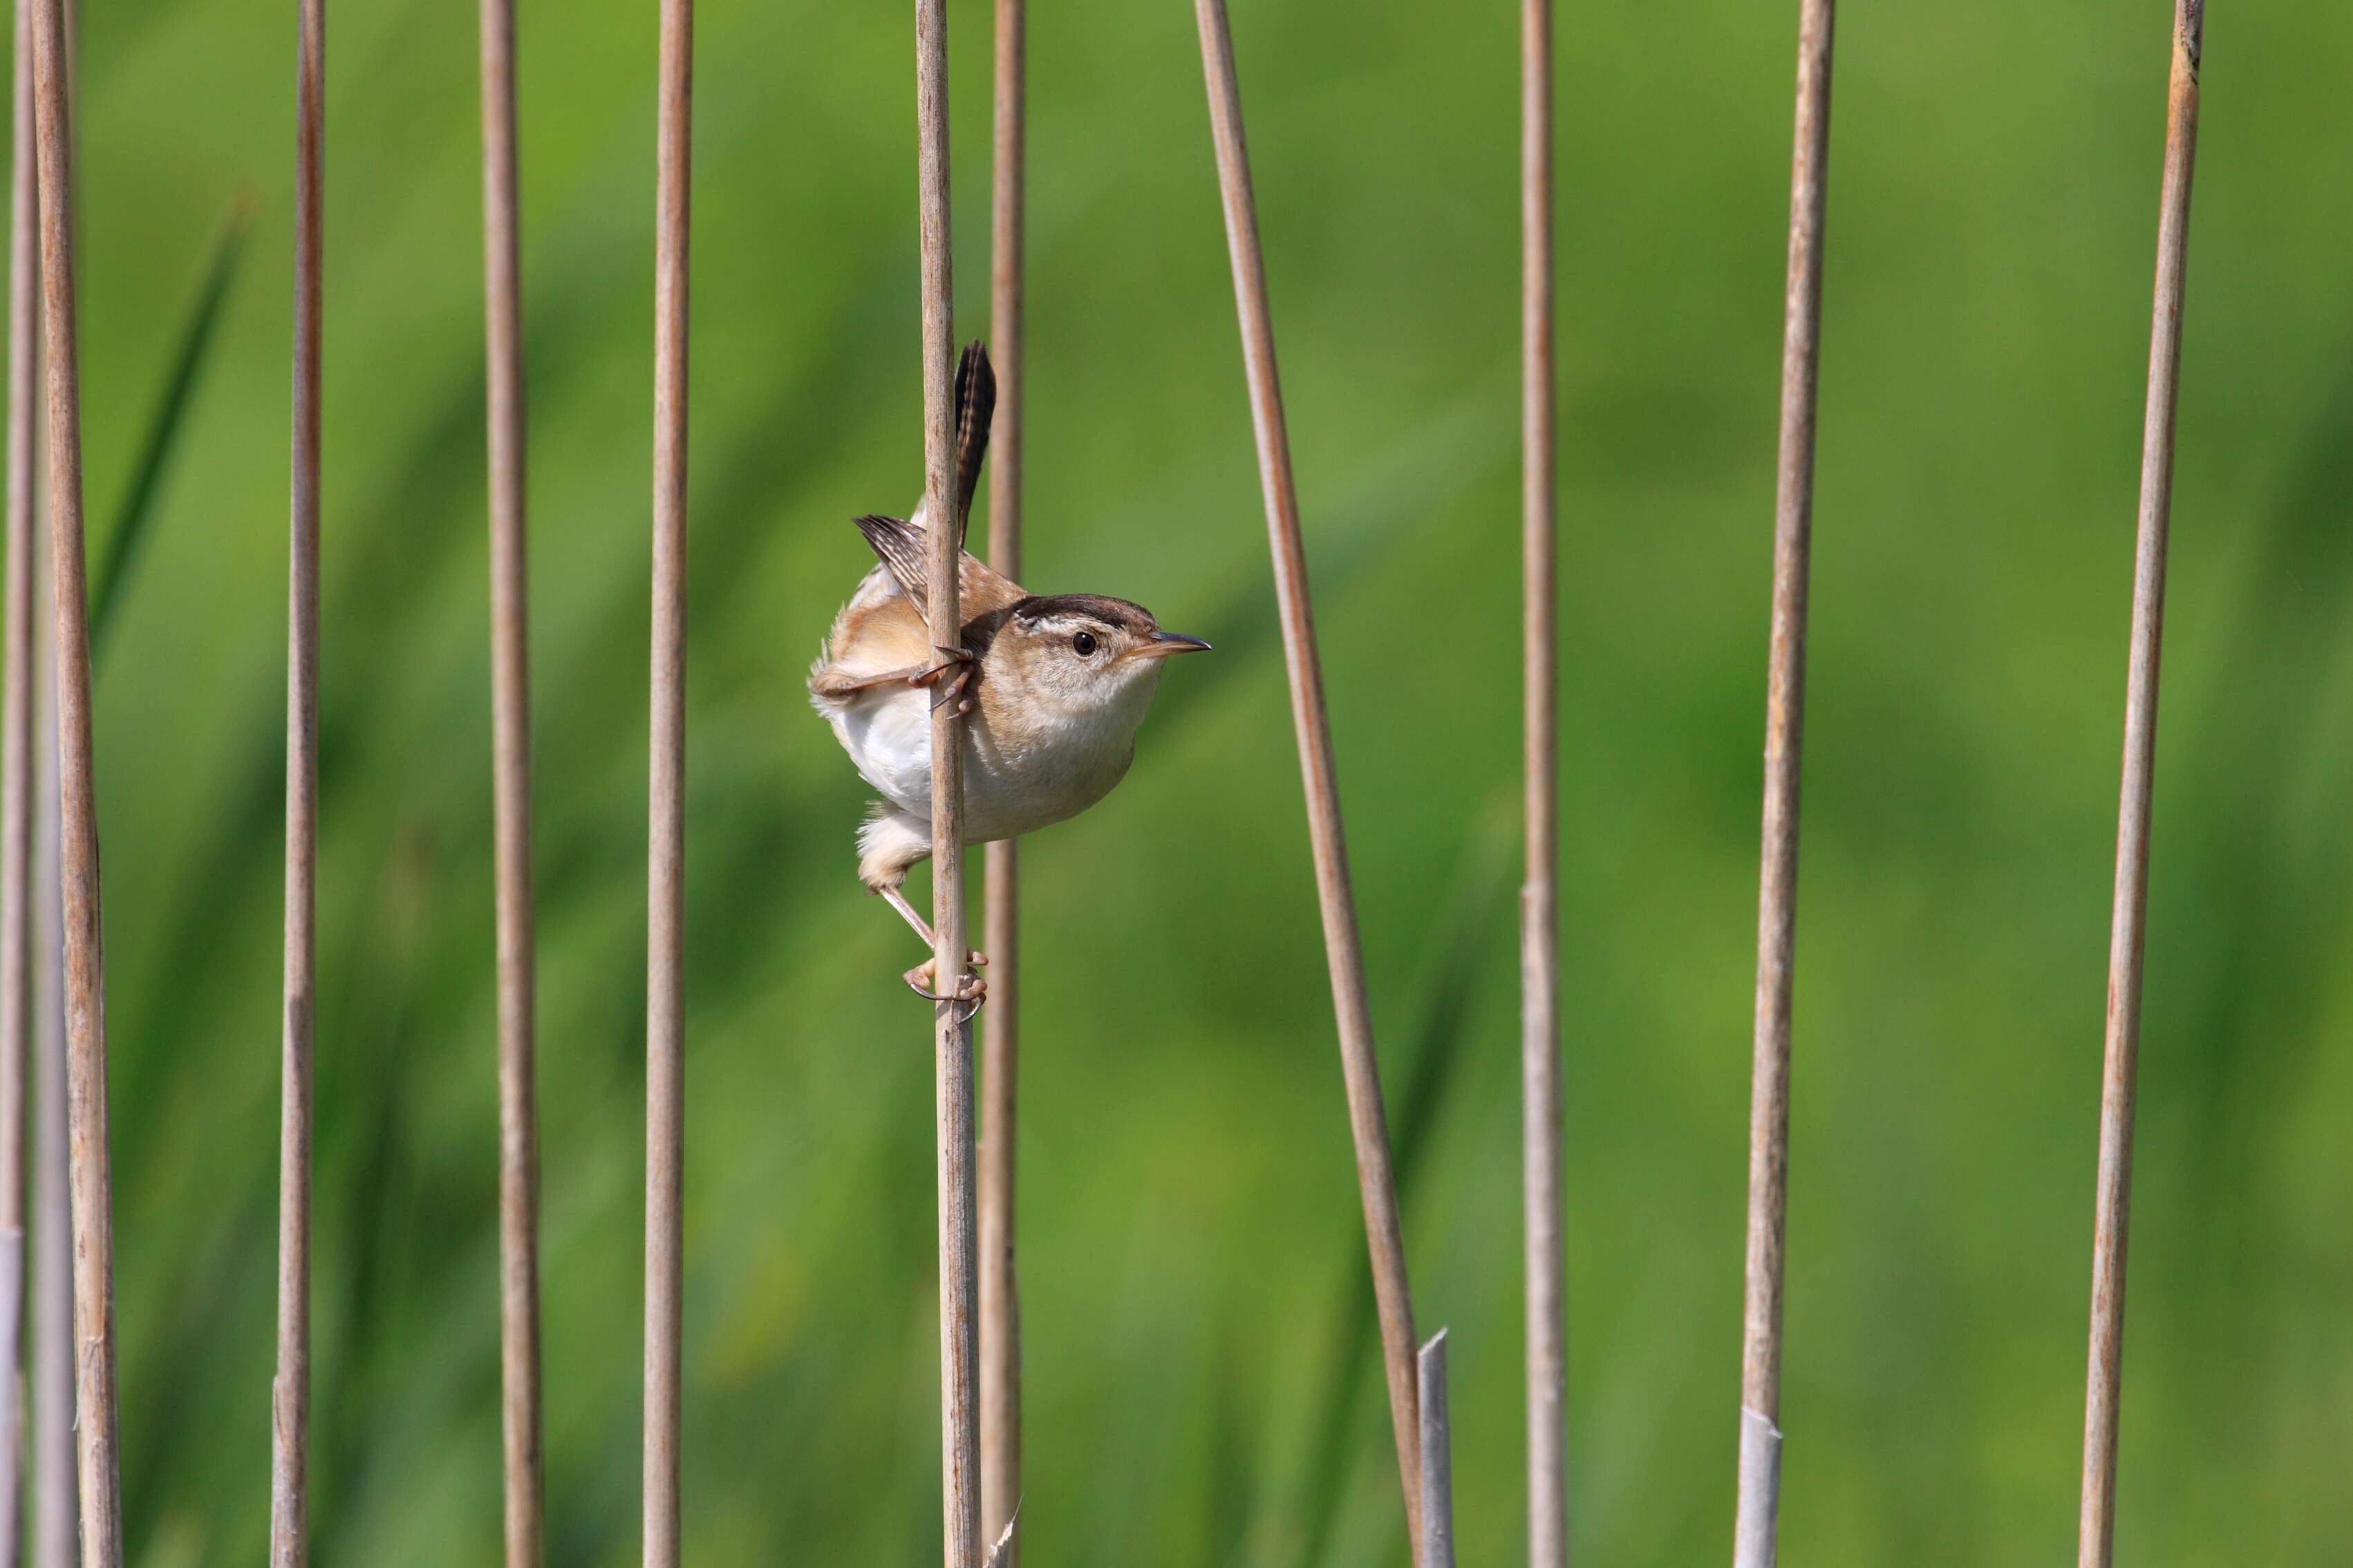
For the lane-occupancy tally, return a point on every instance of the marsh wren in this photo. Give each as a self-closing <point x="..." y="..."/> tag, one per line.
<point x="1056" y="684"/>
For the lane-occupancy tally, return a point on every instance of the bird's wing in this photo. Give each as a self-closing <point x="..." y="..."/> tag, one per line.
<point x="904" y="548"/>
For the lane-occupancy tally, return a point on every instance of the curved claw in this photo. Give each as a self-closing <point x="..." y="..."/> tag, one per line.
<point x="970" y="988"/>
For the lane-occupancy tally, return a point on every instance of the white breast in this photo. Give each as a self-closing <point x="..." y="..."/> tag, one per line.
<point x="887" y="732"/>
<point x="1012" y="785"/>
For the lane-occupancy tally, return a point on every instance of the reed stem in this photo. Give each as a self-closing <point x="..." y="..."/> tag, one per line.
<point x="951" y="1031"/>
<point x="291" y="1392"/>
<point x="1436" y="1455"/>
<point x="666" y="803"/>
<point x="57" y="1506"/>
<point x="17" y="791"/>
<point x="1777" y="898"/>
<point x="511" y="788"/>
<point x="1000" y="1286"/>
<point x="97" y="1428"/>
<point x="1343" y="949"/>
<point x="2095" y="1540"/>
<point x="1540" y="1109"/>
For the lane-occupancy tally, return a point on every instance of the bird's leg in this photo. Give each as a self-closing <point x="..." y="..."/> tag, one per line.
<point x="970" y="988"/>
<point x="898" y="900"/>
<point x="959" y="659"/>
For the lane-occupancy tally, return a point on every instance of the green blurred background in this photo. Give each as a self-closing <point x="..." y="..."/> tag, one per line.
<point x="1201" y="1387"/>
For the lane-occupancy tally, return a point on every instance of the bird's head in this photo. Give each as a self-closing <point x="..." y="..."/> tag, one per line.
<point x="1079" y="658"/>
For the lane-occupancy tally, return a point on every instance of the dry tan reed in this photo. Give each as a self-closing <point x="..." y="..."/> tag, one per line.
<point x="16" y="793"/>
<point x="97" y="1428"/>
<point x="951" y="1031"/>
<point x="1344" y="950"/>
<point x="510" y="789"/>
<point x="1000" y="1286"/>
<point x="1777" y="897"/>
<point x="2096" y="1540"/>
<point x="1539" y="896"/>
<point x="666" y="802"/>
<point x="56" y="1505"/>
<point x="289" y="1490"/>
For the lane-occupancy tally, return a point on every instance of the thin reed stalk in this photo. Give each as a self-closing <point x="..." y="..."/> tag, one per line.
<point x="1540" y="1203"/>
<point x="2095" y="1539"/>
<point x="1776" y="896"/>
<point x="57" y="1509"/>
<point x="510" y="789"/>
<point x="951" y="1029"/>
<point x="85" y="982"/>
<point x="56" y="1505"/>
<point x="16" y="749"/>
<point x="666" y="803"/>
<point x="1436" y="1455"/>
<point x="1000" y="1048"/>
<point x="1344" y="950"/>
<point x="289" y="1484"/>
<point x="16" y="790"/>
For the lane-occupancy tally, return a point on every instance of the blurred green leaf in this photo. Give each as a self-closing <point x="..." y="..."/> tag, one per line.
<point x="193" y="343"/>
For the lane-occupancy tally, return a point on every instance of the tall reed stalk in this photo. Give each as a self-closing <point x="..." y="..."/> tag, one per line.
<point x="96" y="1425"/>
<point x="1000" y="1287"/>
<point x="289" y="1486"/>
<point x="1777" y="895"/>
<point x="2095" y="1539"/>
<point x="56" y="1503"/>
<point x="951" y="1029"/>
<point x="1546" y="1358"/>
<point x="666" y="802"/>
<point x="16" y="793"/>
<point x="1343" y="949"/>
<point x="54" y="1495"/>
<point x="510" y="791"/>
<point x="50" y="1493"/>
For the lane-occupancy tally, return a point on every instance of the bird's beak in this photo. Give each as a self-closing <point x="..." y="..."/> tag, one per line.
<point x="1163" y="644"/>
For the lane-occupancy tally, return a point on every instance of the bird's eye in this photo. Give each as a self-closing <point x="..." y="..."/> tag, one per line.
<point x="1084" y="643"/>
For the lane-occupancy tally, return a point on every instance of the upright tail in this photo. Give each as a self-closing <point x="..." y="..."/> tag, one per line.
<point x="975" y="405"/>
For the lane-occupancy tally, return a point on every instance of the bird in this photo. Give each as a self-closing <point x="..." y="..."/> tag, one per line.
<point x="1055" y="685"/>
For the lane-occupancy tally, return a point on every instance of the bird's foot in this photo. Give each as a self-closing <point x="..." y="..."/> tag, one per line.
<point x="951" y="674"/>
<point x="923" y="928"/>
<point x="970" y="988"/>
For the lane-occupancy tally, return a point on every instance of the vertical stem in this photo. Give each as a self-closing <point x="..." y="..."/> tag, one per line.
<point x="56" y="1506"/>
<point x="1436" y="1455"/>
<point x="1539" y="896"/>
<point x="85" y="982"/>
<point x="1777" y="897"/>
<point x="511" y="785"/>
<point x="290" y="1428"/>
<point x="2127" y="929"/>
<point x="1344" y="950"/>
<point x="1000" y="1289"/>
<point x="666" y="831"/>
<point x="16" y="787"/>
<point x="951" y="1033"/>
